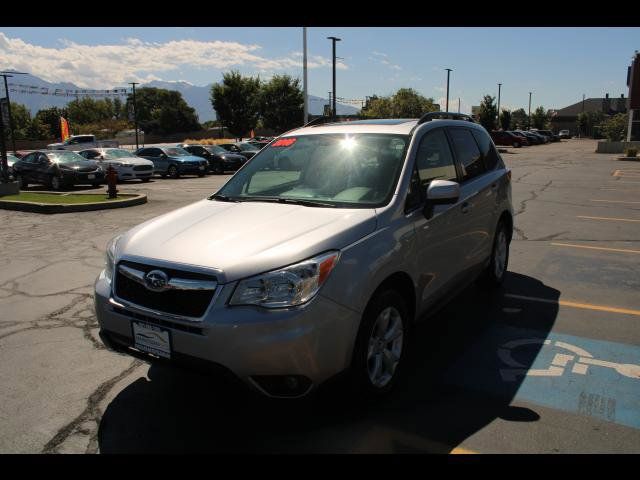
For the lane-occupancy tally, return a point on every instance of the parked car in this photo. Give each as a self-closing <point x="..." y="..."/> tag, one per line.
<point x="173" y="161"/>
<point x="524" y="141"/>
<point x="11" y="159"/>
<point x="506" y="138"/>
<point x="245" y="149"/>
<point x="260" y="142"/>
<point x="549" y="134"/>
<point x="544" y="138"/>
<point x="219" y="159"/>
<point x="533" y="139"/>
<point x="82" y="142"/>
<point x="57" y="169"/>
<point x="127" y="165"/>
<point x="564" y="134"/>
<point x="286" y="278"/>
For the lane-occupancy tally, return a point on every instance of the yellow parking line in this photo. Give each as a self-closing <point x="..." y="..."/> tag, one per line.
<point x="614" y="201"/>
<point x="586" y="306"/>
<point x="622" y="250"/>
<point x="609" y="218"/>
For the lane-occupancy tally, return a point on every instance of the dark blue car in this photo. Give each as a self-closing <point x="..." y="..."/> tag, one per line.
<point x="173" y="161"/>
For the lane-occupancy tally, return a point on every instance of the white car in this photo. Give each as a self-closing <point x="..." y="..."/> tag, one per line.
<point x="128" y="166"/>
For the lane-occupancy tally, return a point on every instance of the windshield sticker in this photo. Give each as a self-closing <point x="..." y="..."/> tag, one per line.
<point x="284" y="142"/>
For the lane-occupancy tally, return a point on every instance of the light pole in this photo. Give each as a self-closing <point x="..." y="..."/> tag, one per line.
<point x="6" y="89"/>
<point x="447" y="104"/>
<point x="499" y="85"/>
<point x="458" y="104"/>
<point x="334" y="40"/>
<point x="135" y="111"/>
<point x="304" y="74"/>
<point x="529" y="118"/>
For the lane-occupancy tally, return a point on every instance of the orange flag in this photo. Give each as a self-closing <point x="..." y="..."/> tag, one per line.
<point x="64" y="128"/>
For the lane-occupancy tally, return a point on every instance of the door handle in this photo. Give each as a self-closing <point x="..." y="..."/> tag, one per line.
<point x="466" y="206"/>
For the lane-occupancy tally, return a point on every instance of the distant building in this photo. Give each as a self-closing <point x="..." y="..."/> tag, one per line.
<point x="567" y="118"/>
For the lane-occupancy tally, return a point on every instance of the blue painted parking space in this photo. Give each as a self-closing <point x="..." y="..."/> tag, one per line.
<point x="579" y="375"/>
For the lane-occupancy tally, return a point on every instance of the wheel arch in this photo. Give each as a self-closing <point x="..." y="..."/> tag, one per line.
<point x="402" y="283"/>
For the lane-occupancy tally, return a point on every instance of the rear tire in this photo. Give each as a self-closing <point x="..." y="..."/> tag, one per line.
<point x="516" y="144"/>
<point x="494" y="275"/>
<point x="145" y="180"/>
<point x="22" y="183"/>
<point x="56" y="183"/>
<point x="376" y="363"/>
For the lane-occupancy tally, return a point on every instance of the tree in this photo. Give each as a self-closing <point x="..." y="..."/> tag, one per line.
<point x="281" y="103"/>
<point x="88" y="110"/>
<point x="540" y="119"/>
<point x="163" y="111"/>
<point x="519" y="119"/>
<point x="237" y="102"/>
<point x="50" y="120"/>
<point x="21" y="119"/>
<point x="488" y="112"/>
<point x="505" y="120"/>
<point x="377" y="107"/>
<point x="588" y="120"/>
<point x="405" y="103"/>
<point x="615" y="127"/>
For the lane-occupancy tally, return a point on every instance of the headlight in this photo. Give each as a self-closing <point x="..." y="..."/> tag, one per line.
<point x="288" y="286"/>
<point x="109" y="258"/>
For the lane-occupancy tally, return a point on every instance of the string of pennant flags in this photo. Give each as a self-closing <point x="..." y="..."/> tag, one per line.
<point x="59" y="92"/>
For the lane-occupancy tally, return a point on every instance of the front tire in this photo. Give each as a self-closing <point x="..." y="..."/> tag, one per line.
<point x="494" y="275"/>
<point x="173" y="172"/>
<point x="56" y="183"/>
<point x="380" y="344"/>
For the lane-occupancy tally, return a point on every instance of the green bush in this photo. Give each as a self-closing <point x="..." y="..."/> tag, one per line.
<point x="615" y="127"/>
<point x="631" y="152"/>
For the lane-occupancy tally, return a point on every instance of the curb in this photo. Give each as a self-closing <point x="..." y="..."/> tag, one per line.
<point x="34" y="207"/>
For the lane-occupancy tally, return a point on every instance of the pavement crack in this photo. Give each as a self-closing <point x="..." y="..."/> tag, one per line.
<point x="91" y="413"/>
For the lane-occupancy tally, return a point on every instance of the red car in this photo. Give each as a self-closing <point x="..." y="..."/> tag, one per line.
<point x="507" y="138"/>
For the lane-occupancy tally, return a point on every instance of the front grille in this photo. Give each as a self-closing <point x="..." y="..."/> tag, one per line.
<point x="138" y="168"/>
<point x="190" y="303"/>
<point x="86" y="169"/>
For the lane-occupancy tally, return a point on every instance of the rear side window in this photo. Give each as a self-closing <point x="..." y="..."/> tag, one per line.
<point x="434" y="159"/>
<point x="467" y="152"/>
<point x="488" y="151"/>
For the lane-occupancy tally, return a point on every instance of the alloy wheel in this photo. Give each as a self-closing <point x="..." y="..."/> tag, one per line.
<point x="385" y="347"/>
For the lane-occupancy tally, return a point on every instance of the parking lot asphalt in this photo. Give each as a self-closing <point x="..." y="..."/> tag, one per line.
<point x="550" y="363"/>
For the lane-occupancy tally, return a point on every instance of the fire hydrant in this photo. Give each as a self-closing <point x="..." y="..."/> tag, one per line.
<point x="112" y="179"/>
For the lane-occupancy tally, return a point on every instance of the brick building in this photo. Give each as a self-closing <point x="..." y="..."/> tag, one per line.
<point x="567" y="118"/>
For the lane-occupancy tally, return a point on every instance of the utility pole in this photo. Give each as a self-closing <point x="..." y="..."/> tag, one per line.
<point x="135" y="111"/>
<point x="499" y="85"/>
<point x="304" y="75"/>
<point x="447" y="105"/>
<point x="6" y="89"/>
<point x="4" y="165"/>
<point x="458" y="104"/>
<point x="334" y="40"/>
<point x="529" y="118"/>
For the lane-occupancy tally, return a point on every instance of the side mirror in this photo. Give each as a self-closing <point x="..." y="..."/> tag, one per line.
<point x="440" y="192"/>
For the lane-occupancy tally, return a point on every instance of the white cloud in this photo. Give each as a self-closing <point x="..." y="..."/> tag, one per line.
<point x="104" y="66"/>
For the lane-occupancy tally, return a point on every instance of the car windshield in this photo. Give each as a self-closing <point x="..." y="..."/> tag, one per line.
<point x="176" y="152"/>
<point x="331" y="170"/>
<point x="216" y="149"/>
<point x="247" y="147"/>
<point x="65" y="156"/>
<point x="114" y="153"/>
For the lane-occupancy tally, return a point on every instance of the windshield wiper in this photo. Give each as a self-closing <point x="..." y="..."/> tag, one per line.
<point x="222" y="198"/>
<point x="292" y="201"/>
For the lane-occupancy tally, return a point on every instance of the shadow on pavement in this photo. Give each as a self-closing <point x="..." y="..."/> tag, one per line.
<point x="450" y="389"/>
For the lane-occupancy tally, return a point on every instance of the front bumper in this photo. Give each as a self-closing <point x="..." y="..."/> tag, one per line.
<point x="313" y="342"/>
<point x="129" y="173"/>
<point x="83" y="178"/>
<point x="199" y="169"/>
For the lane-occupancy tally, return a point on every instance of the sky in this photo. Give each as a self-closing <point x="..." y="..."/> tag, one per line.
<point x="558" y="64"/>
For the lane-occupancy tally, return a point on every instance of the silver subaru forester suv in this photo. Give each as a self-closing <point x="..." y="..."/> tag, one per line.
<point x="316" y="256"/>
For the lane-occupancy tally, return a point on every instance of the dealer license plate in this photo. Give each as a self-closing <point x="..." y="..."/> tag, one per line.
<point x="151" y="339"/>
<point x="91" y="176"/>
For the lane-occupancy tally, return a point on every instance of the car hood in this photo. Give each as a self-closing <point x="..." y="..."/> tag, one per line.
<point x="246" y="238"/>
<point x="79" y="164"/>
<point x="131" y="160"/>
<point x="187" y="158"/>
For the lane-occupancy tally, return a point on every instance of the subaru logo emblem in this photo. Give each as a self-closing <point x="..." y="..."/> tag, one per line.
<point x="156" y="280"/>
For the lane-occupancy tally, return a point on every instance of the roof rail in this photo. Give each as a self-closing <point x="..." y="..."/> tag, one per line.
<point x="427" y="117"/>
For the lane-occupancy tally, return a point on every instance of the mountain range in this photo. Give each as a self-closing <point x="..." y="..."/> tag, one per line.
<point x="197" y="97"/>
